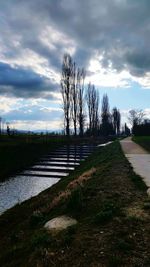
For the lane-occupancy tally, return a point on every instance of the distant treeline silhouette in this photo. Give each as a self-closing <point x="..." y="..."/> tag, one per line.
<point x="81" y="104"/>
<point x="140" y="125"/>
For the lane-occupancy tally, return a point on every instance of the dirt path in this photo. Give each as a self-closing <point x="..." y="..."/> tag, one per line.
<point x="139" y="159"/>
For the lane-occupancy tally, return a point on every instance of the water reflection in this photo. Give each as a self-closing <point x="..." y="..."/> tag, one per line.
<point x="21" y="188"/>
<point x="65" y="159"/>
<point x="52" y="167"/>
<point x="58" y="163"/>
<point x="44" y="174"/>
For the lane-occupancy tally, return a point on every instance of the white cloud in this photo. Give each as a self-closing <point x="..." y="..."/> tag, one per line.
<point x="8" y="103"/>
<point x="26" y="125"/>
<point x="144" y="81"/>
<point x="107" y="77"/>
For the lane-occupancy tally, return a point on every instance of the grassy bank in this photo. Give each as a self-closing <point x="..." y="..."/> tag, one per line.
<point x="113" y="213"/>
<point x="144" y="141"/>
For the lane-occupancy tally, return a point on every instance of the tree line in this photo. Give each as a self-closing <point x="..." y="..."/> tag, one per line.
<point x="81" y="104"/>
<point x="140" y="125"/>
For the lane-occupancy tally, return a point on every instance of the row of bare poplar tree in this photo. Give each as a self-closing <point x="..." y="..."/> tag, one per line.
<point x="75" y="97"/>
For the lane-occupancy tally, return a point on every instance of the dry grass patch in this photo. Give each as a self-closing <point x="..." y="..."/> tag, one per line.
<point x="80" y="181"/>
<point x="137" y="212"/>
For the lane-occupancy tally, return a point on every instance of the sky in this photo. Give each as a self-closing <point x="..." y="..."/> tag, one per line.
<point x="109" y="38"/>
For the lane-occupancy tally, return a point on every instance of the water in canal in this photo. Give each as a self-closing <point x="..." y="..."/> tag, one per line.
<point x="48" y="171"/>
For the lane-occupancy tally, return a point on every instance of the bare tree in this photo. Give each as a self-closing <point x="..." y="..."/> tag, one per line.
<point x="77" y="99"/>
<point x="105" y="114"/>
<point x="136" y="116"/>
<point x="106" y="125"/>
<point x="118" y="122"/>
<point x="92" y="98"/>
<point x="74" y="98"/>
<point x="95" y="103"/>
<point x="116" y="118"/>
<point x="80" y="87"/>
<point x="89" y="105"/>
<point x="72" y="90"/>
<point x="66" y="83"/>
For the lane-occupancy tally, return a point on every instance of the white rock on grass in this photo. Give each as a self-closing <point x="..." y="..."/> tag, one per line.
<point x="60" y="223"/>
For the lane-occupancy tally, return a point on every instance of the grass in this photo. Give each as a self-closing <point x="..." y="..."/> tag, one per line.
<point x="105" y="234"/>
<point x="41" y="239"/>
<point x="144" y="141"/>
<point x="115" y="261"/>
<point x="36" y="218"/>
<point x="138" y="182"/>
<point x="106" y="213"/>
<point x="75" y="201"/>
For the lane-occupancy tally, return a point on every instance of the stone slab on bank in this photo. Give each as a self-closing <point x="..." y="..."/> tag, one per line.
<point x="60" y="223"/>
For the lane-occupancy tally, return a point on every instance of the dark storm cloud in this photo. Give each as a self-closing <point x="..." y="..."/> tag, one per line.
<point x="139" y="62"/>
<point x="23" y="82"/>
<point x="118" y="30"/>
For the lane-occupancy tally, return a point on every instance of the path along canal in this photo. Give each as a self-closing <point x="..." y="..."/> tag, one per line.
<point x="48" y="171"/>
